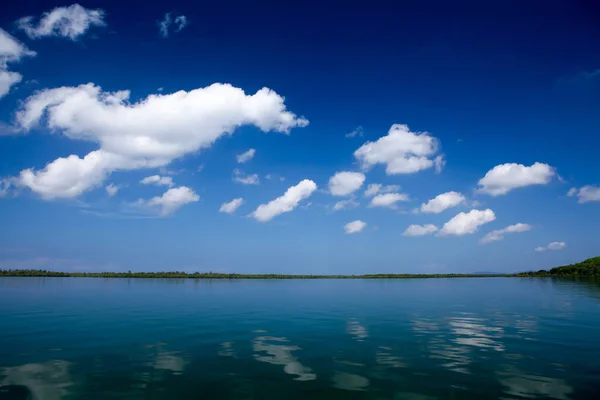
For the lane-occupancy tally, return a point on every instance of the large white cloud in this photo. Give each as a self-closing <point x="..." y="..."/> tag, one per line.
<point x="402" y="151"/>
<point x="69" y="22"/>
<point x="355" y="226"/>
<point x="172" y="200"/>
<point x="552" y="246"/>
<point x="157" y="180"/>
<point x="388" y="200"/>
<point x="442" y="202"/>
<point x="11" y="50"/>
<point x="498" y="234"/>
<point x="245" y="156"/>
<point x="586" y="193"/>
<point x="286" y="203"/>
<point x="233" y="205"/>
<point x="420" y="230"/>
<point x="505" y="177"/>
<point x="345" y="182"/>
<point x="149" y="133"/>
<point x="467" y="223"/>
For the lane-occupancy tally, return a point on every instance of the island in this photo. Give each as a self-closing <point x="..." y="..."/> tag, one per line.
<point x="589" y="267"/>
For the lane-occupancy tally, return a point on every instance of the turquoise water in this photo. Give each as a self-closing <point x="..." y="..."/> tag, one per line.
<point x="477" y="338"/>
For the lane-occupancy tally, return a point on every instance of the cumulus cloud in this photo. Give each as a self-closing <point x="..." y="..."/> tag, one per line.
<point x="402" y="151"/>
<point x="147" y="134"/>
<point x="420" y="230"/>
<point x="355" y="226"/>
<point x="286" y="203"/>
<point x="388" y="200"/>
<point x="467" y="223"/>
<point x="345" y="205"/>
<point x="505" y="177"/>
<point x="375" y="188"/>
<point x="11" y="50"/>
<point x="245" y="156"/>
<point x="172" y="200"/>
<point x="552" y="246"/>
<point x="345" y="182"/>
<point x="164" y="25"/>
<point x="443" y="202"/>
<point x="157" y="180"/>
<point x="68" y="22"/>
<point x="498" y="234"/>
<point x="358" y="131"/>
<point x="586" y="193"/>
<point x="243" y="178"/>
<point x="233" y="205"/>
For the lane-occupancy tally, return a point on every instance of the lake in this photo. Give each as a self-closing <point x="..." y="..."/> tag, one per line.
<point x="457" y="338"/>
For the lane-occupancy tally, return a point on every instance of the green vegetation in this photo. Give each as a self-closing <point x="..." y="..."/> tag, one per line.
<point x="589" y="267"/>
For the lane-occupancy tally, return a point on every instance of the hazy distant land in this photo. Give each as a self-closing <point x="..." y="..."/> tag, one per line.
<point x="589" y="267"/>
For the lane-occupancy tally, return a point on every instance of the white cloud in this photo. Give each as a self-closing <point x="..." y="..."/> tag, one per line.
<point x="355" y="226"/>
<point x="345" y="182"/>
<point x="286" y="203"/>
<point x="358" y="131"/>
<point x="552" y="246"/>
<point x="420" y="230"/>
<point x="11" y="50"/>
<point x="402" y="151"/>
<point x="180" y="21"/>
<point x="172" y="200"/>
<point x="7" y="80"/>
<point x="442" y="202"/>
<point x="68" y="22"/>
<point x="498" y="234"/>
<point x="388" y="200"/>
<point x="439" y="163"/>
<point x="233" y="205"/>
<point x="586" y="193"/>
<point x="147" y="134"/>
<point x="375" y="188"/>
<point x="467" y="223"/>
<point x="5" y="185"/>
<point x="505" y="177"/>
<point x="345" y="204"/>
<point x="158" y="180"/>
<point x="245" y="156"/>
<point x="241" y="177"/>
<point x="112" y="189"/>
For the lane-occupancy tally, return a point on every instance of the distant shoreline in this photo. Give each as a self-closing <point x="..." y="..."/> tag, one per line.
<point x="586" y="268"/>
<point x="180" y="275"/>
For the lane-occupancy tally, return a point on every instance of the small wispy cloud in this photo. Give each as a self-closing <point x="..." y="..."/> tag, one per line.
<point x="165" y="25"/>
<point x="358" y="131"/>
<point x="241" y="177"/>
<point x="245" y="156"/>
<point x="552" y="246"/>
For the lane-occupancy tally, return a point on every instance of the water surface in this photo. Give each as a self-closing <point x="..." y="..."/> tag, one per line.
<point x="473" y="338"/>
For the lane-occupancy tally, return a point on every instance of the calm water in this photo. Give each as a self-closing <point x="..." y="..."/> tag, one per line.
<point x="488" y="338"/>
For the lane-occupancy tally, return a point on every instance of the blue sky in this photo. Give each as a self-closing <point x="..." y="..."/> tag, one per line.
<point x="489" y="111"/>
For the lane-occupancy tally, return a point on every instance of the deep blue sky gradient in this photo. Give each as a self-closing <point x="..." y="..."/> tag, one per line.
<point x="495" y="81"/>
